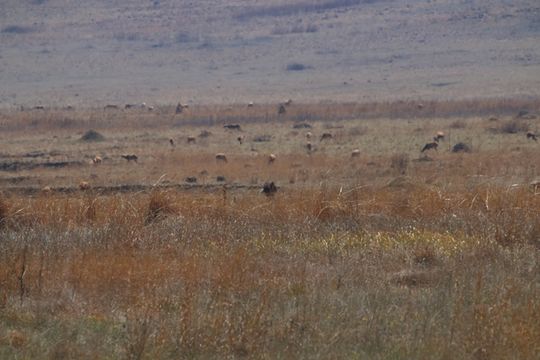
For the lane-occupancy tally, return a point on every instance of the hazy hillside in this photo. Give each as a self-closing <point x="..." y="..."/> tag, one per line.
<point x="207" y="51"/>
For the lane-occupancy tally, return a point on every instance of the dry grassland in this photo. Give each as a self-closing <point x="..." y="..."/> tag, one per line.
<point x="394" y="254"/>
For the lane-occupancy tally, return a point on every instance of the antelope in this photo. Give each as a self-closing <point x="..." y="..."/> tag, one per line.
<point x="438" y="136"/>
<point x="97" y="160"/>
<point x="355" y="153"/>
<point x="532" y="136"/>
<point x="191" y="139"/>
<point x="130" y="157"/>
<point x="271" y="158"/>
<point x="326" y="136"/>
<point x="84" y="185"/>
<point x="429" y="146"/>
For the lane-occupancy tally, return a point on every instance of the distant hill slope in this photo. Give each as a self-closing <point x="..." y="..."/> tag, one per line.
<point x="210" y="51"/>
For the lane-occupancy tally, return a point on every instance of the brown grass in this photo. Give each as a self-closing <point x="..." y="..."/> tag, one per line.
<point x="351" y="258"/>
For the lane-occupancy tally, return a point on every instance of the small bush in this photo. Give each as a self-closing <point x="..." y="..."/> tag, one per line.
<point x="160" y="205"/>
<point x="205" y="134"/>
<point x="513" y="127"/>
<point x="92" y="135"/>
<point x="262" y="138"/>
<point x="458" y="124"/>
<point x="4" y="210"/>
<point x="461" y="147"/>
<point x="17" y="29"/>
<point x="400" y="162"/>
<point x="297" y="67"/>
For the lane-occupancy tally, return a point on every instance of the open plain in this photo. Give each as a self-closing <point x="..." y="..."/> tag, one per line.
<point x="269" y="179"/>
<point x="383" y="252"/>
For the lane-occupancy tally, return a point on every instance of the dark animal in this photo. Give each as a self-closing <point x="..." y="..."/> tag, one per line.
<point x="39" y="107"/>
<point x="355" y="153"/>
<point x="171" y="141"/>
<point x="326" y="136"/>
<point x="130" y="157"/>
<point x="532" y="136"/>
<point x="180" y="108"/>
<point x="282" y="110"/>
<point x="269" y="188"/>
<point x="232" y="126"/>
<point x="191" y="179"/>
<point x="110" y="106"/>
<point x="240" y="139"/>
<point x="130" y="106"/>
<point x="220" y="178"/>
<point x="429" y="146"/>
<point x="191" y="140"/>
<point x="309" y="147"/>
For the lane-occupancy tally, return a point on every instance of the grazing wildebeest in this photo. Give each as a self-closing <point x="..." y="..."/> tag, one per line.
<point x="532" y="136"/>
<point x="355" y="153"/>
<point x="309" y="147"/>
<point x="232" y="126"/>
<point x="269" y="188"/>
<point x="130" y="106"/>
<point x="191" y="179"/>
<point x="84" y="185"/>
<point x="191" y="139"/>
<point x="429" y="146"/>
<point x="180" y="108"/>
<point x="220" y="178"/>
<point x="438" y="136"/>
<point x="271" y="158"/>
<point x="130" y="157"/>
<point x="281" y="109"/>
<point x="326" y="136"/>
<point x="221" y="157"/>
<point x="39" y="107"/>
<point x="110" y="106"/>
<point x="171" y="141"/>
<point x="240" y="139"/>
<point x="288" y="102"/>
<point x="97" y="160"/>
<point x="250" y="104"/>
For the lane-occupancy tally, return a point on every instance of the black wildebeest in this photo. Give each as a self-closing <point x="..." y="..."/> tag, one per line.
<point x="180" y="108"/>
<point x="429" y="146"/>
<point x="269" y="188"/>
<point x="532" y="136"/>
<point x="232" y="126"/>
<point x="326" y="136"/>
<point x="281" y="109"/>
<point x="130" y="157"/>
